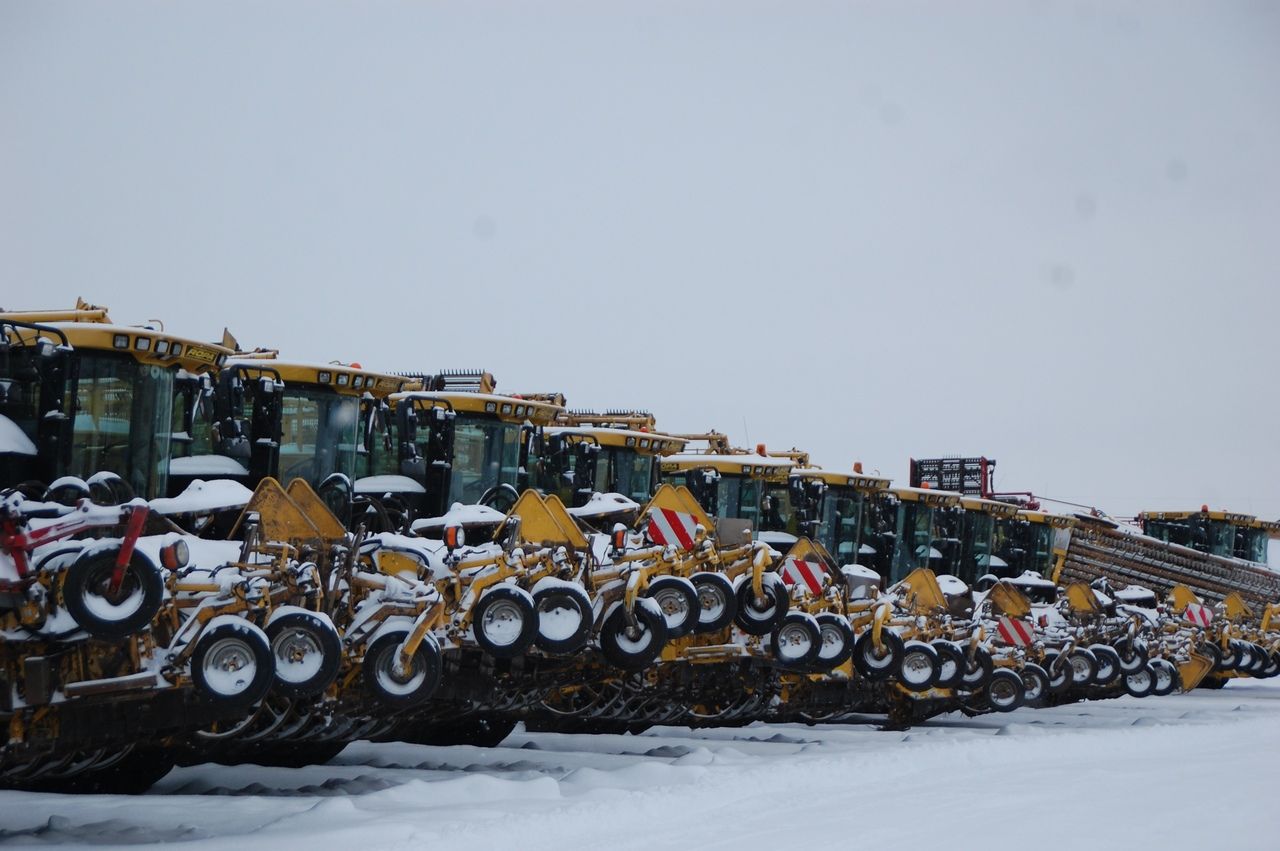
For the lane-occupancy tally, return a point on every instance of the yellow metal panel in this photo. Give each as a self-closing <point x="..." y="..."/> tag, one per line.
<point x="1010" y="600"/>
<point x="305" y="498"/>
<point x="279" y="517"/>
<point x="1082" y="599"/>
<point x="925" y="595"/>
<point x="545" y="522"/>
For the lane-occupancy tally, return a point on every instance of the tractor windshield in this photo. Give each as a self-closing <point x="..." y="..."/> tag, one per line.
<point x="840" y="518"/>
<point x="628" y="473"/>
<point x="1021" y="545"/>
<point x="975" y="550"/>
<point x="319" y="434"/>
<point x="486" y="453"/>
<point x="20" y="412"/>
<point x="1251" y="544"/>
<point x="778" y="511"/>
<point x="738" y="497"/>
<point x="915" y="539"/>
<point x="123" y="421"/>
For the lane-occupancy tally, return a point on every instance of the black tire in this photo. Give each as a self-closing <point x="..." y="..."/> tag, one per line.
<point x="1140" y="683"/>
<point x="1005" y="690"/>
<point x="1084" y="667"/>
<point x="232" y="664"/>
<point x="1261" y="660"/>
<point x="307" y="654"/>
<point x="382" y="682"/>
<point x="556" y="609"/>
<point x="978" y="668"/>
<point x="1108" y="664"/>
<point x="86" y="594"/>
<point x="797" y="641"/>
<point x="1167" y="679"/>
<point x="678" y="600"/>
<point x="1133" y="655"/>
<point x="1035" y="684"/>
<point x="1243" y="656"/>
<point x="1230" y="656"/>
<point x="1273" y="665"/>
<point x="1059" y="671"/>
<point x="882" y="664"/>
<point x="762" y="618"/>
<point x="951" y="663"/>
<point x="1212" y="652"/>
<point x="717" y="603"/>
<point x="919" y="670"/>
<point x="633" y="651"/>
<point x="504" y="622"/>
<point x="836" y="641"/>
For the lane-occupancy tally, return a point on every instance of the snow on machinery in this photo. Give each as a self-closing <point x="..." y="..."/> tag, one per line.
<point x="449" y="560"/>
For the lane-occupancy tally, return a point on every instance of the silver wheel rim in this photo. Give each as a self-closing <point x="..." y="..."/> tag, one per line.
<point x="712" y="602"/>
<point x="502" y="623"/>
<point x="230" y="666"/>
<point x="794" y="642"/>
<point x="384" y="673"/>
<point x="558" y="618"/>
<point x="674" y="606"/>
<point x="1080" y="669"/>
<point x="1002" y="692"/>
<point x="298" y="655"/>
<point x="917" y="668"/>
<point x="833" y="642"/>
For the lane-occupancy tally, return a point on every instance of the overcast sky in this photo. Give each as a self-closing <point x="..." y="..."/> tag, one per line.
<point x="1048" y="232"/>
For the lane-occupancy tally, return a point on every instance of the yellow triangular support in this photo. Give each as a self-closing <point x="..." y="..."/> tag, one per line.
<point x="807" y="550"/>
<point x="1235" y="608"/>
<point x="1182" y="596"/>
<point x="925" y="594"/>
<point x="680" y="499"/>
<point x="280" y="518"/>
<point x="1010" y="600"/>
<point x="1082" y="599"/>
<point x="304" y="496"/>
<point x="546" y="522"/>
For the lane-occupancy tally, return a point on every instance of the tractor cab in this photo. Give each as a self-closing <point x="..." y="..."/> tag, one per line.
<point x="458" y="442"/>
<point x="909" y="528"/>
<point x="832" y="506"/>
<point x="1025" y="542"/>
<point x="266" y="417"/>
<point x="590" y="459"/>
<point x="81" y="397"/>
<point x="977" y="556"/>
<point x="1219" y="533"/>
<point x="743" y="491"/>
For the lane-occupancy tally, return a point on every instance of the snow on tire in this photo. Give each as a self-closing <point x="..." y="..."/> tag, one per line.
<point x="505" y="621"/>
<point x="677" y="598"/>
<point x="563" y="615"/>
<point x="411" y="686"/>
<point x="232" y="663"/>
<point x="306" y="649"/>
<point x="104" y="607"/>
<point x="716" y="601"/>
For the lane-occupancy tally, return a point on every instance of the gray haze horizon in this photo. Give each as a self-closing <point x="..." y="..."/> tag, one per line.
<point x="1045" y="232"/>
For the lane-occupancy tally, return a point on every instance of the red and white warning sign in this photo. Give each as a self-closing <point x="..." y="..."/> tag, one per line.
<point x="1199" y="615"/>
<point x="1016" y="632"/>
<point x="807" y="573"/>
<point x="672" y="528"/>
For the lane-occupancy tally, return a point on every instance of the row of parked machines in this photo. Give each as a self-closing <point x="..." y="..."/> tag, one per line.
<point x="211" y="554"/>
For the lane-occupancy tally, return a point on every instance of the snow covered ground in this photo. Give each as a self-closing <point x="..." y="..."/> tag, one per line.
<point x="1181" y="771"/>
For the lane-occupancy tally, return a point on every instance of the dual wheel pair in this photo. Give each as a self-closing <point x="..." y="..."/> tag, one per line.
<point x="297" y="656"/>
<point x="1244" y="657"/>
<point x="919" y="665"/>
